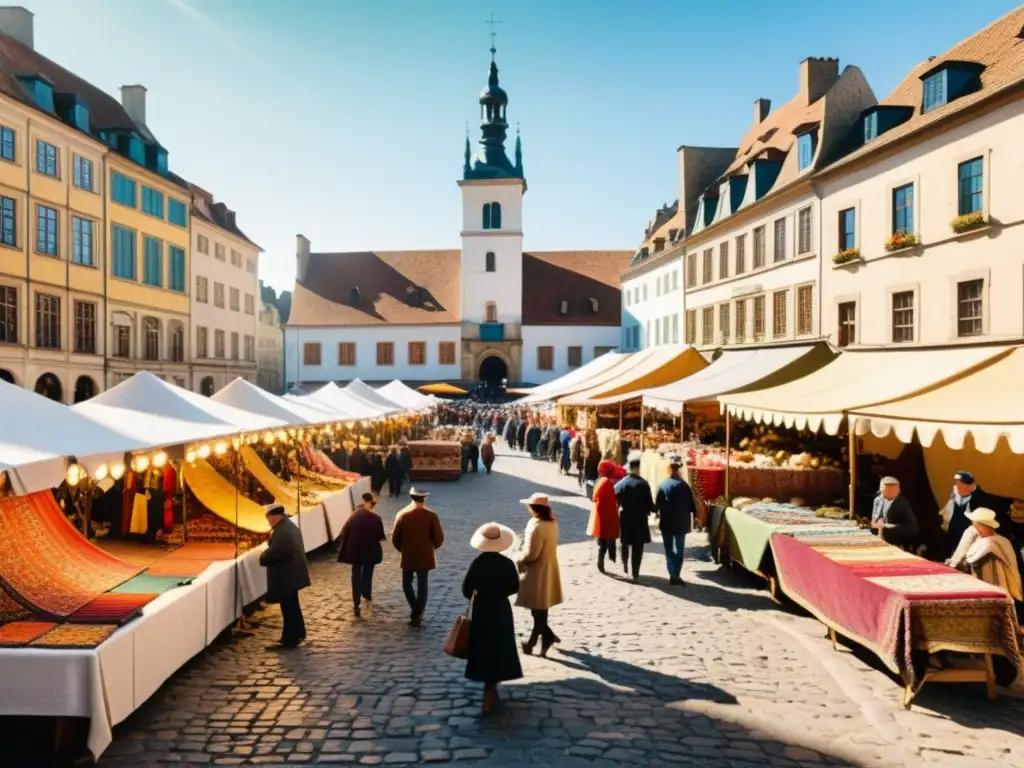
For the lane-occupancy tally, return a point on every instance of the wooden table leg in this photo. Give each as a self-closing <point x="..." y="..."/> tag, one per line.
<point x="990" y="677"/>
<point x="832" y="637"/>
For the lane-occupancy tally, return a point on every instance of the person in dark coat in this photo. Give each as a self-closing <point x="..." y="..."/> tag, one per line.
<point x="417" y="534"/>
<point x="487" y="452"/>
<point x="361" y="536"/>
<point x="635" y="502"/>
<point x="676" y="508"/>
<point x="565" y="459"/>
<point x="968" y="496"/>
<point x="539" y="445"/>
<point x="493" y="656"/>
<point x="591" y="462"/>
<point x="406" y="457"/>
<point x="395" y="472"/>
<point x="521" y="435"/>
<point x="892" y="515"/>
<point x="377" y="474"/>
<point x="474" y="456"/>
<point x="287" y="573"/>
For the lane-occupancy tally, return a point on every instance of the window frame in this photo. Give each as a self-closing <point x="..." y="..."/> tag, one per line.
<point x="47" y="163"/>
<point x="47" y="316"/>
<point x="779" y="244"/>
<point x="805" y="234"/>
<point x="981" y="192"/>
<point x="147" y="240"/>
<point x="759" y="237"/>
<point x="574" y="356"/>
<point x="47" y="236"/>
<point x="797" y="294"/>
<point x="8" y="221"/>
<point x="690" y="327"/>
<point x="149" y="202"/>
<point x="545" y="358"/>
<point x="177" y="280"/>
<point x="707" y="325"/>
<point x="443" y="356"/>
<point x="416" y="352"/>
<point x="173" y="204"/>
<point x="904" y="211"/>
<point x="723" y="259"/>
<point x="10" y="310"/>
<point x="119" y="184"/>
<point x="984" y="274"/>
<point x="82" y="174"/>
<point x="842" y="229"/>
<point x="891" y="294"/>
<point x="85" y="327"/>
<point x="783" y="332"/>
<point x="385" y="353"/>
<point x="79" y="238"/>
<point x="490" y="262"/>
<point x="312" y="353"/>
<point x="8" y="138"/>
<point x="346" y="354"/>
<point x="838" y="303"/>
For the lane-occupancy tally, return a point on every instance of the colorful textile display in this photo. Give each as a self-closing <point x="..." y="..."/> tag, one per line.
<point x="111" y="608"/>
<point x="274" y="485"/>
<point x="11" y="609"/>
<point x="191" y="559"/>
<point x="907" y="604"/>
<point x="146" y="584"/>
<point x="170" y="488"/>
<point x="221" y="497"/>
<point x="75" y="636"/>
<point x="435" y="460"/>
<point x="20" y="633"/>
<point x="46" y="565"/>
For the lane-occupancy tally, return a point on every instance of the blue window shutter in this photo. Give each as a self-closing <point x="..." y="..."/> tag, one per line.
<point x="8" y="227"/>
<point x="177" y="259"/>
<point x="934" y="91"/>
<point x="806" y="144"/>
<point x="177" y="212"/>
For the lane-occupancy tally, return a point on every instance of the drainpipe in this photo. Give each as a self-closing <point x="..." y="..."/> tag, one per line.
<point x="106" y="273"/>
<point x="69" y="326"/>
<point x="27" y="325"/>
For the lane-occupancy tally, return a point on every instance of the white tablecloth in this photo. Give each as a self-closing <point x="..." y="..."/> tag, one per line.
<point x="338" y="508"/>
<point x="312" y="523"/>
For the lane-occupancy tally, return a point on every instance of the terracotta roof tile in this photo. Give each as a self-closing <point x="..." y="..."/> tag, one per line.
<point x="775" y="132"/>
<point x="575" y="277"/>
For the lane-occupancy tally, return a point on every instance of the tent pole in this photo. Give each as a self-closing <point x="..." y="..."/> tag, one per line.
<point x="682" y="422"/>
<point x="239" y="613"/>
<point x="184" y="504"/>
<point x="641" y="425"/>
<point x="853" y="467"/>
<point x="620" y="418"/>
<point x="728" y="441"/>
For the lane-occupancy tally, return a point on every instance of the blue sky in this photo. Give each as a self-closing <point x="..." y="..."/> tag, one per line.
<point x="344" y="120"/>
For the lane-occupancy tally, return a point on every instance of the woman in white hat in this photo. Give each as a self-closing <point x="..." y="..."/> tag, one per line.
<point x="490" y="580"/>
<point x="988" y="555"/>
<point x="541" y="588"/>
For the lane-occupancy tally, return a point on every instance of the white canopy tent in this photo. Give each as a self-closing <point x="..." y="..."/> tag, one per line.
<point x="407" y="397"/>
<point x="247" y="396"/>
<point x="336" y="400"/>
<point x="578" y="380"/>
<point x="363" y="391"/>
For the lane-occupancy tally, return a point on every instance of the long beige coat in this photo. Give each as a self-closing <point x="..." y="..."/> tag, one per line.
<point x="541" y="587"/>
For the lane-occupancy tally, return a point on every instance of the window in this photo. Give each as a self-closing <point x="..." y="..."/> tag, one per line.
<point x="218" y="295"/>
<point x="870" y="126"/>
<point x="7" y="143"/>
<point x="151" y="338"/>
<point x="691" y="270"/>
<point x="178" y="343"/>
<point x="545" y="358"/>
<point x="310" y="352"/>
<point x="234" y="345"/>
<point x="446" y="352"/>
<point x="8" y="222"/>
<point x="847" y="229"/>
<point x="903" y="317"/>
<point x="491" y="312"/>
<point x="202" y="342"/>
<point x="657" y="333"/>
<point x="8" y="314"/>
<point x="47" y="159"/>
<point x="233" y="305"/>
<point x="657" y="287"/>
<point x="203" y="244"/>
<point x="758" y="318"/>
<point x="708" y="273"/>
<point x="82" y="240"/>
<point x="177" y="212"/>
<point x="780" y="240"/>
<point x="708" y="326"/>
<point x="625" y="297"/>
<point x="250" y="304"/>
<point x="804" y="310"/>
<point x="417" y="353"/>
<point x="903" y="210"/>
<point x="723" y="260"/>
<point x="346" y="353"/>
<point x="202" y="290"/>
<point x="492" y="216"/>
<point x="250" y="266"/>
<point x="675" y="329"/>
<point x="723" y="322"/>
<point x="934" y="91"/>
<point x="153" y="202"/>
<point x="82" y="173"/>
<point x="969" y="308"/>
<point x="675" y="280"/>
<point x="691" y="326"/>
<point x="249" y="344"/>
<point x="741" y="254"/>
<point x="236" y="259"/>
<point x="385" y="353"/>
<point x="46" y="230"/>
<point x="563" y="306"/>
<point x="489" y="262"/>
<point x="218" y="252"/>
<point x="176" y="257"/>
<point x="806" y="144"/>
<point x="847" y="323"/>
<point x="780" y="305"/>
<point x="970" y="177"/>
<point x="575" y="357"/>
<point x="803" y="241"/>
<point x="47" y="321"/>
<point x="664" y="330"/>
<point x="758" y="247"/>
<point x="152" y="261"/>
<point x="598" y="351"/>
<point x="741" y="320"/>
<point x="122" y="189"/>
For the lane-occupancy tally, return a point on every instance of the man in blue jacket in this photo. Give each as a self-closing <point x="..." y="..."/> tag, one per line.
<point x="675" y="511"/>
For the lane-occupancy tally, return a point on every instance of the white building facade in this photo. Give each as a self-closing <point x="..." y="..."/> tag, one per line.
<point x="270" y="349"/>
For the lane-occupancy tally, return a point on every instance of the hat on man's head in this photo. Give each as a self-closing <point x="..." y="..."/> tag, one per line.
<point x="537" y="500"/>
<point x="983" y="516"/>
<point x="675" y="461"/>
<point x="275" y="509"/>
<point x="963" y="476"/>
<point x="369" y="497"/>
<point x="417" y="493"/>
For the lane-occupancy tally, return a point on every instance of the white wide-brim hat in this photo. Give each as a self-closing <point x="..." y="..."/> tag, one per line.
<point x="537" y="499"/>
<point x="983" y="515"/>
<point x="492" y="537"/>
<point x="414" y="491"/>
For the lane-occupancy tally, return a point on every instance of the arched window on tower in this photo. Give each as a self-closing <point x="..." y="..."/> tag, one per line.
<point x="489" y="265"/>
<point x="491" y="312"/>
<point x="492" y="216"/>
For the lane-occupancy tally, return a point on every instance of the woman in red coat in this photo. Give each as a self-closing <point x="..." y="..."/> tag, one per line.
<point x="604" y="517"/>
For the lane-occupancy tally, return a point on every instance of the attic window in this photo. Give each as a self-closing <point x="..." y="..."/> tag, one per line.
<point x="40" y="89"/>
<point x="672" y="235"/>
<point x="593" y="305"/>
<point x="659" y="244"/>
<point x="934" y="91"/>
<point x="354" y="296"/>
<point x="563" y="307"/>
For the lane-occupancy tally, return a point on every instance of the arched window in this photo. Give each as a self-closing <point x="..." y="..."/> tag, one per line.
<point x="492" y="216"/>
<point x="492" y="312"/>
<point x="489" y="261"/>
<point x="176" y="352"/>
<point x="151" y="339"/>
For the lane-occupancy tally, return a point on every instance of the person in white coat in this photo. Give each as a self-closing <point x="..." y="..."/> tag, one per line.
<point x="541" y="587"/>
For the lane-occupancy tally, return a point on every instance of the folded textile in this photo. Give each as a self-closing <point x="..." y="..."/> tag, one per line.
<point x="20" y="633"/>
<point x="74" y="636"/>
<point x="146" y="583"/>
<point x="111" y="608"/>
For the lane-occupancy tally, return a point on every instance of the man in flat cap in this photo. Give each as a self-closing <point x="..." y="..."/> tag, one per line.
<point x="287" y="573"/>
<point x="892" y="515"/>
<point x="968" y="496"/>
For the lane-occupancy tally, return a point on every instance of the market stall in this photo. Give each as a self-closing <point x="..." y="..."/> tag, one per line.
<point x="435" y="459"/>
<point x="644" y="370"/>
<point x="364" y="392"/>
<point x="407" y="397"/>
<point x="574" y="381"/>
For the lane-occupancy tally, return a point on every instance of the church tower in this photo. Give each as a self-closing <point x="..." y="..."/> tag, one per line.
<point x="492" y="244"/>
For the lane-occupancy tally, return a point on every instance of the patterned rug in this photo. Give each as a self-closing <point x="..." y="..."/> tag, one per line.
<point x="192" y="559"/>
<point x="111" y="608"/>
<point x="21" y="633"/>
<point x="74" y="636"/>
<point x="46" y="565"/>
<point x="222" y="498"/>
<point x="11" y="609"/>
<point x="147" y="584"/>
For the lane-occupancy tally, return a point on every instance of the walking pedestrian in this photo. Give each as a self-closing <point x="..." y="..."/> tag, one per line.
<point x="634" y="496"/>
<point x="676" y="508"/>
<point x="493" y="657"/>
<point x="287" y="573"/>
<point x="377" y="474"/>
<point x="474" y="456"/>
<point x="417" y="534"/>
<point x="361" y="536"/>
<point x="395" y="471"/>
<point x="577" y="458"/>
<point x="564" y="459"/>
<point x="604" y="515"/>
<point x="487" y="452"/>
<point x="541" y="587"/>
<point x="406" y="459"/>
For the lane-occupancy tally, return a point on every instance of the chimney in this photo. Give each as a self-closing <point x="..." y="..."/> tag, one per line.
<point x="230" y="217"/>
<point x="761" y="109"/>
<point x="16" y="22"/>
<point x="133" y="99"/>
<point x="301" y="257"/>
<point x="816" y="77"/>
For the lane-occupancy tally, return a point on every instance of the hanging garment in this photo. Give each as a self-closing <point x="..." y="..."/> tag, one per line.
<point x="170" y="491"/>
<point x="127" y="502"/>
<point x="140" y="513"/>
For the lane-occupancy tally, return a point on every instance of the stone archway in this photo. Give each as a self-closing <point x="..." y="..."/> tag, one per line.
<point x="48" y="385"/>
<point x="85" y="388"/>
<point x="207" y="386"/>
<point x="493" y="370"/>
<point x="7" y="376"/>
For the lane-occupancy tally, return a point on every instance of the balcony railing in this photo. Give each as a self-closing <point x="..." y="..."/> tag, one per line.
<point x="492" y="331"/>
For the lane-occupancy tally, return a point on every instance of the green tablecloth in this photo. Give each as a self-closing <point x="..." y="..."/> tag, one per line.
<point x="152" y="585"/>
<point x="747" y="538"/>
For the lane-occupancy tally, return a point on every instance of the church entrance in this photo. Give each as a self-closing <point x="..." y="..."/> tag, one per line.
<point x="493" y="371"/>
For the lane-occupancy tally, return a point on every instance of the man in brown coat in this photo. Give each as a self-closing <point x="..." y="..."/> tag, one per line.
<point x="417" y="534"/>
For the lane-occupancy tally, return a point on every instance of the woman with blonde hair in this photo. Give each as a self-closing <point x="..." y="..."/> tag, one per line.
<point x="541" y="586"/>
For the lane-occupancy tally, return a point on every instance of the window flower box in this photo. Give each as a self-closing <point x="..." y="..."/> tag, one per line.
<point x="846" y="255"/>
<point x="969" y="221"/>
<point x="900" y="240"/>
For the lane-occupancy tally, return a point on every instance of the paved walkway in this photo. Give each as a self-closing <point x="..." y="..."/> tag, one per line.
<point x="713" y="675"/>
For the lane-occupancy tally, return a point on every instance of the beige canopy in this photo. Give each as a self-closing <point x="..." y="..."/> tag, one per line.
<point x="857" y="380"/>
<point x="652" y="367"/>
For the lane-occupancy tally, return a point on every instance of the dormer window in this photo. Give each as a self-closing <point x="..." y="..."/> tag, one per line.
<point x="156" y="159"/>
<point x="949" y="81"/>
<point x="594" y="307"/>
<point x="806" y="145"/>
<point x="659" y="244"/>
<point x="354" y="296"/>
<point x="934" y="91"/>
<point x="137" y="150"/>
<point x="492" y="216"/>
<point x="672" y="235"/>
<point x="40" y="89"/>
<point x="870" y="126"/>
<point x="563" y="307"/>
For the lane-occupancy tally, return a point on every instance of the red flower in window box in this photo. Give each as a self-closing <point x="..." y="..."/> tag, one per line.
<point x="900" y="240"/>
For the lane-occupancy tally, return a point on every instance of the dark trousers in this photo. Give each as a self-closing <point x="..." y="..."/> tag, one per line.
<point x="293" y="626"/>
<point x="634" y="555"/>
<point x="540" y="628"/>
<point x="605" y="547"/>
<point x="418" y="598"/>
<point x="362" y="583"/>
<point x="395" y="486"/>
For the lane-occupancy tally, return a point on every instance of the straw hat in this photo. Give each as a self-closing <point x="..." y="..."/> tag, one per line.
<point x="983" y="515"/>
<point x="537" y="499"/>
<point x="492" y="537"/>
<point x="414" y="491"/>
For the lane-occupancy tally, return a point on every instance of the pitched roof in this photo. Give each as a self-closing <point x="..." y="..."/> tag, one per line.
<point x="217" y="214"/>
<point x="775" y="132"/>
<point x="574" y="277"/>
<point x="999" y="47"/>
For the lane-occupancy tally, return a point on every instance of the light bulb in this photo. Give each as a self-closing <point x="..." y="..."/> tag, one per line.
<point x="74" y="474"/>
<point x="190" y="457"/>
<point x="291" y="433"/>
<point x="159" y="459"/>
<point x="141" y="463"/>
<point x="268" y="438"/>
<point x="101" y="472"/>
<point x="236" y="442"/>
<point x="220" y="448"/>
<point x="281" y="434"/>
<point x="117" y="471"/>
<point x="204" y="451"/>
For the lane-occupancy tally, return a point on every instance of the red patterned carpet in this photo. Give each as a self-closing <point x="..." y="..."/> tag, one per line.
<point x="46" y="565"/>
<point x="21" y="633"/>
<point x="111" y="608"/>
<point x="192" y="559"/>
<point x="75" y="636"/>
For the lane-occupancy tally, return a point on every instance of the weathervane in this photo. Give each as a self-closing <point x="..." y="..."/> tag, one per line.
<point x="493" y="33"/>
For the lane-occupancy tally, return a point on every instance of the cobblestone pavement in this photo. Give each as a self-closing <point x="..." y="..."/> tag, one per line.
<point x="712" y="675"/>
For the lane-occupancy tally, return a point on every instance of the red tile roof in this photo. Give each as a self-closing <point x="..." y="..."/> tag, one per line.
<point x="217" y="214"/>
<point x="587" y="281"/>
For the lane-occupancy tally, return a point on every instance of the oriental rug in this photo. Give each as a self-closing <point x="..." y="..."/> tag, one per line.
<point x="11" y="609"/>
<point x="21" y="633"/>
<point x="46" y="565"/>
<point x="111" y="608"/>
<point x="222" y="498"/>
<point x="75" y="636"/>
<point x="191" y="559"/>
